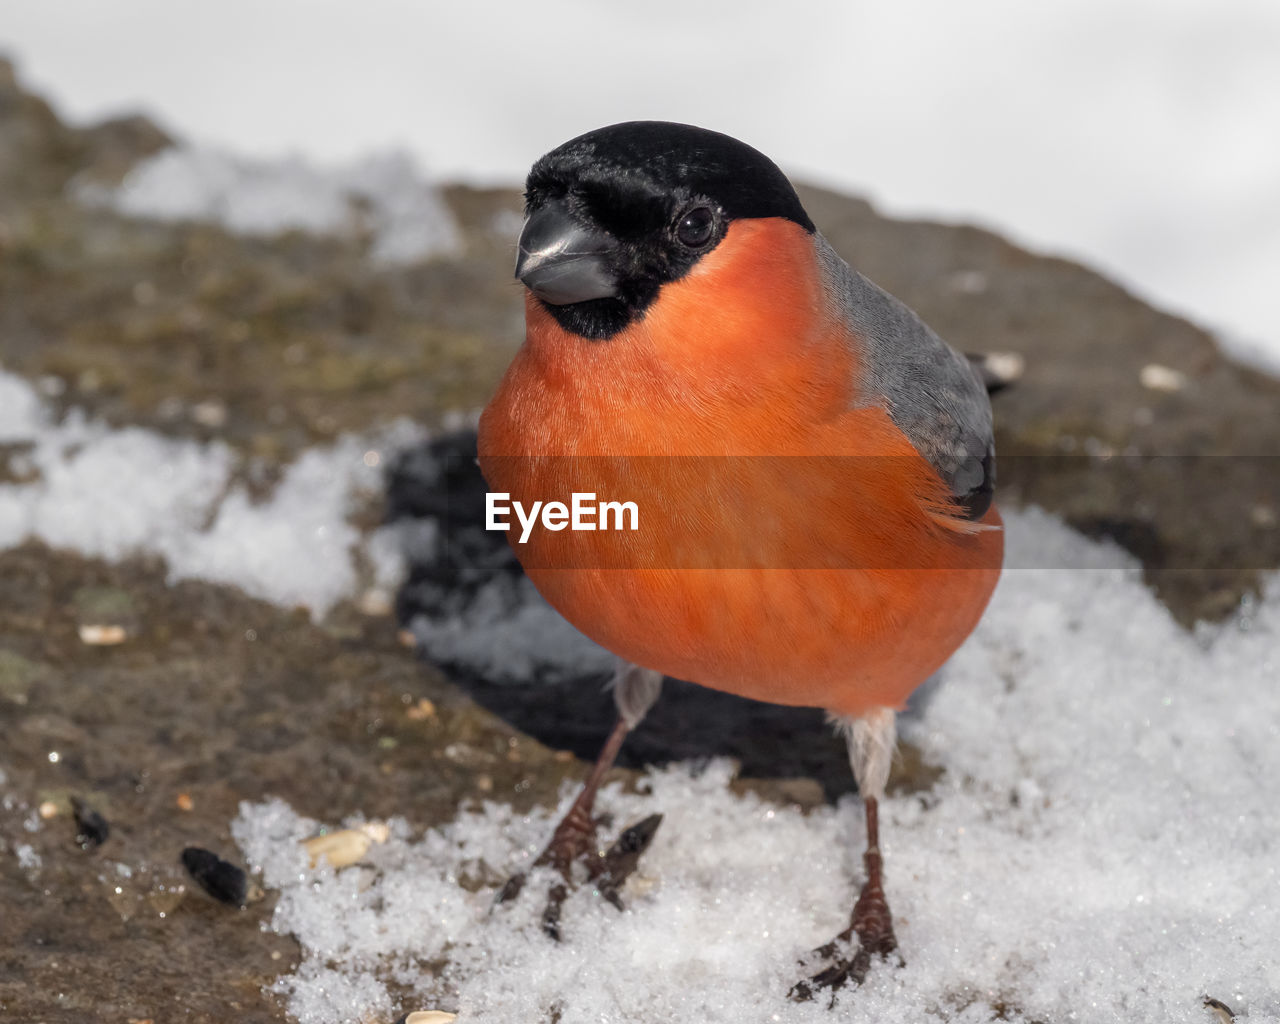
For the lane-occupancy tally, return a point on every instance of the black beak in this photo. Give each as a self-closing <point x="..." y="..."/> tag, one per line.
<point x="563" y="262"/>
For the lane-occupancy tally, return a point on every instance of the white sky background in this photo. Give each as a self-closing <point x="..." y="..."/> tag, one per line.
<point x="1142" y="136"/>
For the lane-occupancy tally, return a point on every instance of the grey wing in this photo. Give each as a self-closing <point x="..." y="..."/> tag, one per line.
<point x="932" y="393"/>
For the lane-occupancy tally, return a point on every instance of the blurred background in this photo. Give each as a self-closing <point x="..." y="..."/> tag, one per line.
<point x="1138" y="136"/>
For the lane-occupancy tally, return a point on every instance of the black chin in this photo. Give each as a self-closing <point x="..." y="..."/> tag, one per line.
<point x="595" y="319"/>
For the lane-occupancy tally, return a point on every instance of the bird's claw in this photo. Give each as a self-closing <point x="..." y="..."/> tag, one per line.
<point x="870" y="933"/>
<point x="608" y="871"/>
<point x="618" y="863"/>
<point x="572" y="841"/>
<point x="839" y="970"/>
<point x="512" y="887"/>
<point x="844" y="962"/>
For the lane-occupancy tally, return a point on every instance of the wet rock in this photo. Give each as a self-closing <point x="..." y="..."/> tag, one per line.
<point x="192" y="706"/>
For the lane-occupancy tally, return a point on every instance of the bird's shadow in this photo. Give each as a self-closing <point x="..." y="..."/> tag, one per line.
<point x="440" y="483"/>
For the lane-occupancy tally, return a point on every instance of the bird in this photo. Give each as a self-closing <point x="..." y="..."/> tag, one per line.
<point x="812" y="466"/>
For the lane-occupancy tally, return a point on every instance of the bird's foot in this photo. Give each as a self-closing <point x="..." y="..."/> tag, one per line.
<point x="841" y="961"/>
<point x="848" y="957"/>
<point x="574" y="842"/>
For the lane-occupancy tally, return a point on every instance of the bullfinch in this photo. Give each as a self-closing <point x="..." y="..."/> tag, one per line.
<point x="811" y="466"/>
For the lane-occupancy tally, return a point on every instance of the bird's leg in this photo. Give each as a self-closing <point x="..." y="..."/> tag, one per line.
<point x="871" y="918"/>
<point x="573" y="837"/>
<point x="871" y="741"/>
<point x="635" y="690"/>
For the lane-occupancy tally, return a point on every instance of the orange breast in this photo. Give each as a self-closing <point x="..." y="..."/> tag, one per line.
<point x="784" y="552"/>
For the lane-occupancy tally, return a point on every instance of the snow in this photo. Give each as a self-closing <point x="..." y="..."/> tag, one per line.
<point x="384" y="194"/>
<point x="113" y="493"/>
<point x="1101" y="847"/>
<point x="27" y="857"/>
<point x="20" y="413"/>
<point x="1137" y="135"/>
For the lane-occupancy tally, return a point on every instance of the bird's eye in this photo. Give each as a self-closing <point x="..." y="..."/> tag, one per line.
<point x="695" y="227"/>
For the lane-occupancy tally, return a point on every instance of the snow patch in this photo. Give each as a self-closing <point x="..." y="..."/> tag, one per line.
<point x="384" y="194"/>
<point x="1102" y="846"/>
<point x="115" y="493"/>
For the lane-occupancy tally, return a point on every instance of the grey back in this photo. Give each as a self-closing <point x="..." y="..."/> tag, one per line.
<point x="932" y="393"/>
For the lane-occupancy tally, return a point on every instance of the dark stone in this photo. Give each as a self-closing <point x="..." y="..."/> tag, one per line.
<point x="221" y="879"/>
<point x="91" y="827"/>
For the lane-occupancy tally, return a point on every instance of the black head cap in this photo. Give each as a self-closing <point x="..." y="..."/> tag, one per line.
<point x="648" y="199"/>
